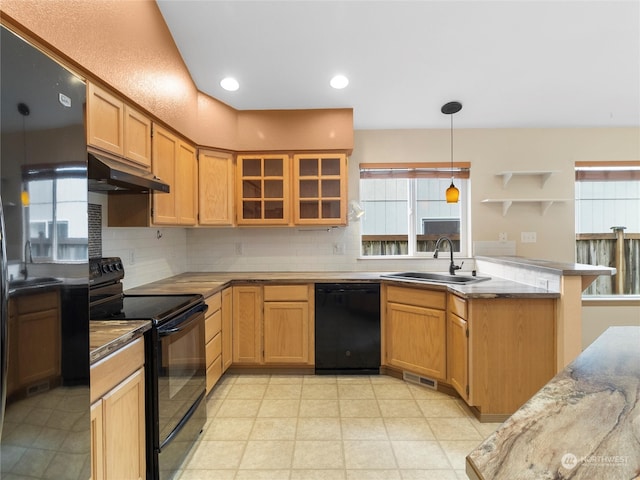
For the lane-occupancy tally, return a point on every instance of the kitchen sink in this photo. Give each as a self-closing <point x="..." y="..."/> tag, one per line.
<point x="33" y="282"/>
<point x="437" y="277"/>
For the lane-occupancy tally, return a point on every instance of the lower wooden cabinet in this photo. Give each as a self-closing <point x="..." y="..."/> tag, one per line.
<point x="227" y="328"/>
<point x="511" y="352"/>
<point x="288" y="325"/>
<point x="273" y="325"/>
<point x="415" y="331"/>
<point x="118" y="415"/>
<point x="247" y="325"/>
<point x="34" y="352"/>
<point x="457" y="346"/>
<point x="213" y="339"/>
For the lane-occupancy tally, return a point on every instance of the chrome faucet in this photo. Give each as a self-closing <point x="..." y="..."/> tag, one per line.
<point x="28" y="258"/>
<point x="452" y="266"/>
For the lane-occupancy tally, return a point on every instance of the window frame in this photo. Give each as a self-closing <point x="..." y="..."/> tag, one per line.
<point x="604" y="171"/>
<point x="415" y="171"/>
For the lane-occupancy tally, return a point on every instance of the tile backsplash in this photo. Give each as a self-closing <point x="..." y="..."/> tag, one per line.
<point x="95" y="230"/>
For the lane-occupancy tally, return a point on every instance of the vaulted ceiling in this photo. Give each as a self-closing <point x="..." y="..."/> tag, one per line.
<point x="510" y="63"/>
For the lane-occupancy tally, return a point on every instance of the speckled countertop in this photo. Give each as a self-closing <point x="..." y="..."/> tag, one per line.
<point x="107" y="336"/>
<point x="584" y="424"/>
<point x="207" y="283"/>
<point x="550" y="266"/>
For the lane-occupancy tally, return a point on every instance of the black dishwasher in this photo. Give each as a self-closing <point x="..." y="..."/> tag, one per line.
<point x="347" y="328"/>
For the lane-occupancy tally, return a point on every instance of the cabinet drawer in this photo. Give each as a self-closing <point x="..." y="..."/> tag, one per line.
<point x="458" y="306"/>
<point x="212" y="325"/>
<point x="417" y="297"/>
<point x="110" y="371"/>
<point x="214" y="348"/>
<point x="214" y="372"/>
<point x="214" y="302"/>
<point x="37" y="303"/>
<point x="283" y="293"/>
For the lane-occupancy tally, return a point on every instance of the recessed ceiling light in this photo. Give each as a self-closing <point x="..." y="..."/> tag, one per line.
<point x="339" y="81"/>
<point x="230" y="84"/>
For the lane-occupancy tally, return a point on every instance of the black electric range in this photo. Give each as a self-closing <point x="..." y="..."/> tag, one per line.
<point x="107" y="300"/>
<point x="175" y="364"/>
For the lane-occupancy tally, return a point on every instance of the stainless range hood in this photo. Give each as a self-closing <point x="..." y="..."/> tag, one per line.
<point x="108" y="175"/>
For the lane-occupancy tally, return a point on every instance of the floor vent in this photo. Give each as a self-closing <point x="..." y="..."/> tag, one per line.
<point x="38" y="388"/>
<point x="424" y="381"/>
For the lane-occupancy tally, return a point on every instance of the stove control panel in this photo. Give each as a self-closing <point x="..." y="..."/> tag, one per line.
<point x="105" y="270"/>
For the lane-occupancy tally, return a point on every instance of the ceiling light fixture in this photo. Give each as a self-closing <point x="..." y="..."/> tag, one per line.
<point x="230" y="84"/>
<point x="452" y="194"/>
<point x="339" y="82"/>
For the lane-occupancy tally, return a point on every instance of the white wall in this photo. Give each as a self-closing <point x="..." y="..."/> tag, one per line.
<point x="148" y="254"/>
<point x="491" y="151"/>
<point x="598" y="316"/>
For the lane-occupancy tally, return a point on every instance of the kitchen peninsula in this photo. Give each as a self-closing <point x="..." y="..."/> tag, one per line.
<point x="508" y="302"/>
<point x="584" y="424"/>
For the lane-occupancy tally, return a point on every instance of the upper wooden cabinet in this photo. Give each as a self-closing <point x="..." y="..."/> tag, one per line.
<point x="174" y="161"/>
<point x="165" y="152"/>
<point x="317" y="195"/>
<point x="137" y="137"/>
<point x="262" y="190"/>
<point x="215" y="188"/>
<point x="187" y="184"/>
<point x="320" y="189"/>
<point x="118" y="128"/>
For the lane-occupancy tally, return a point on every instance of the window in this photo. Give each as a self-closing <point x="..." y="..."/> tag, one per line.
<point x="406" y="211"/>
<point x="608" y="198"/>
<point x="57" y="230"/>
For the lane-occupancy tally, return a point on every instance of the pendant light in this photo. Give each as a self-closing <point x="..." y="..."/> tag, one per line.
<point x="450" y="108"/>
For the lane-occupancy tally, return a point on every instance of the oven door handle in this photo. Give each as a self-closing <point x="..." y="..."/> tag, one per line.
<point x="191" y="315"/>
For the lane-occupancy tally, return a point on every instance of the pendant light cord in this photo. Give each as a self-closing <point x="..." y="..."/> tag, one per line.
<point x="451" y="148"/>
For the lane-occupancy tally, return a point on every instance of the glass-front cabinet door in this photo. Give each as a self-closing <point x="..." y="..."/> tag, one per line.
<point x="263" y="189"/>
<point x="320" y="189"/>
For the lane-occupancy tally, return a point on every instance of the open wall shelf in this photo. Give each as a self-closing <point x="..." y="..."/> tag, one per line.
<point x="545" y="203"/>
<point x="543" y="174"/>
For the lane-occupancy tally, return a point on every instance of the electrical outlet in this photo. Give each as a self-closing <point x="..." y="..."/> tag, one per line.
<point x="528" y="237"/>
<point x="502" y="236"/>
<point x="238" y="248"/>
<point x="338" y="249"/>
<point x="132" y="257"/>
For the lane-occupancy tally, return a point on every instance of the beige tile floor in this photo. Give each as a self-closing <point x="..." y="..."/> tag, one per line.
<point x="306" y="427"/>
<point x="47" y="436"/>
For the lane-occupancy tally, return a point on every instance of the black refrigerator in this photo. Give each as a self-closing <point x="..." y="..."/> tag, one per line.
<point x="44" y="348"/>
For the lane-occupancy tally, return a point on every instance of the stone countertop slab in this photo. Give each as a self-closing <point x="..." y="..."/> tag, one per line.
<point x="208" y="283"/>
<point x="584" y="424"/>
<point x="107" y="336"/>
<point x="550" y="266"/>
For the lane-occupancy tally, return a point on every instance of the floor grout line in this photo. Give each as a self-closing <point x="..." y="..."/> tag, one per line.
<point x="383" y="396"/>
